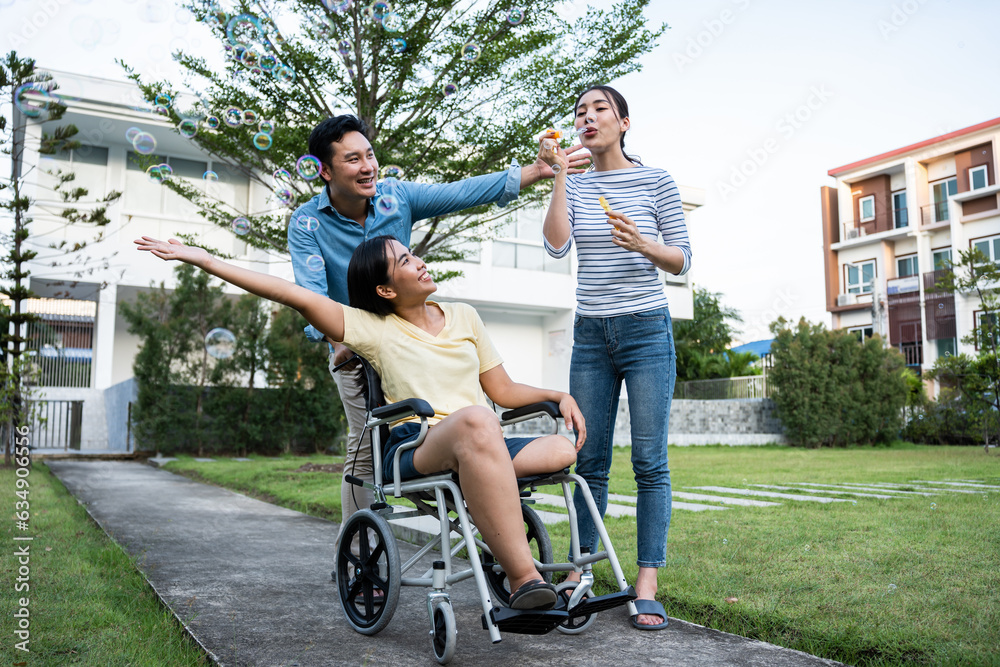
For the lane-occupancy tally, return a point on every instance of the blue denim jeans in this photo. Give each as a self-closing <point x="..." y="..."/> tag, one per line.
<point x="638" y="349"/>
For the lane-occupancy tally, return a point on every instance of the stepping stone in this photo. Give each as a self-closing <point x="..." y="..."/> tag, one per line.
<point x="745" y="502"/>
<point x="862" y="488"/>
<point x="927" y="488"/>
<point x="977" y="485"/>
<point x="769" y="494"/>
<point x="205" y="460"/>
<point x="853" y="493"/>
<point x="621" y="510"/>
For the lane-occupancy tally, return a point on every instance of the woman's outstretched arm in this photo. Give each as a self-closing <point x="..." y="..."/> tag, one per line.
<point x="323" y="313"/>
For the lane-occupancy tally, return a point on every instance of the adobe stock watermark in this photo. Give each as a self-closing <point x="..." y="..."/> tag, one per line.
<point x="47" y="10"/>
<point x="786" y="127"/>
<point x="899" y="16"/>
<point x="22" y="542"/>
<point x="784" y="300"/>
<point x="697" y="44"/>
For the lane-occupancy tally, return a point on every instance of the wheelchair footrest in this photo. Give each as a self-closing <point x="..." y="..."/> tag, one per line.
<point x="593" y="605"/>
<point x="526" y="621"/>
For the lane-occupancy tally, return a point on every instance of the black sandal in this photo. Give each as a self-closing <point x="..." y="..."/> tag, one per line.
<point x="535" y="594"/>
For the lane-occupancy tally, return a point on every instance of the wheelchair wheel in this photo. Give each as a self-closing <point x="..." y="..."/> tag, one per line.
<point x="541" y="550"/>
<point x="572" y="626"/>
<point x="368" y="581"/>
<point x="444" y="637"/>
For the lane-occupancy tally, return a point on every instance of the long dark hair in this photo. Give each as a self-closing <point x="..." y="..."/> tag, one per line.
<point x="621" y="112"/>
<point x="369" y="268"/>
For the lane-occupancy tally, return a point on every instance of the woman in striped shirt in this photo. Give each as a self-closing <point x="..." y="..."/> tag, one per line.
<point x="622" y="330"/>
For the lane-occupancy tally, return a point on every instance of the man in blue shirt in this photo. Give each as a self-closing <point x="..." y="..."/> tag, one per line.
<point x="353" y="206"/>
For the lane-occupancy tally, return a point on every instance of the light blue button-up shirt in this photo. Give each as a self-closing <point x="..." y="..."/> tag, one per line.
<point x="336" y="236"/>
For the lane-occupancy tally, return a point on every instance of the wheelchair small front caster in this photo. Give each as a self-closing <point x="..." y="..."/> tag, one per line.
<point x="572" y="625"/>
<point x="444" y="635"/>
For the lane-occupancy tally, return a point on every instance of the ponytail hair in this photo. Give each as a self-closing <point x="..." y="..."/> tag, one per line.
<point x="621" y="111"/>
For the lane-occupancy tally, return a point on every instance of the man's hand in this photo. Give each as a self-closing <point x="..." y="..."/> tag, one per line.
<point x="174" y="250"/>
<point x="342" y="353"/>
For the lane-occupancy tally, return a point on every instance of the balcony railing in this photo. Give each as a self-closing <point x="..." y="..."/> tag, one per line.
<point x="913" y="353"/>
<point x="900" y="217"/>
<point x="934" y="213"/>
<point x="748" y="386"/>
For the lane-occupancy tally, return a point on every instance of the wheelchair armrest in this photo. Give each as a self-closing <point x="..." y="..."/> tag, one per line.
<point x="415" y="406"/>
<point x="535" y="409"/>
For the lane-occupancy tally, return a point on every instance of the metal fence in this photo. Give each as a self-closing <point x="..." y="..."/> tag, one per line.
<point x="55" y="424"/>
<point x="748" y="386"/>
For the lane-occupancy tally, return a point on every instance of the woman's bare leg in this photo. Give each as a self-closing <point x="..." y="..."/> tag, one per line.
<point x="549" y="453"/>
<point x="470" y="442"/>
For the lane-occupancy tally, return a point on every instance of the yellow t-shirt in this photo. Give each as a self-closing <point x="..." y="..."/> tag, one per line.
<point x="443" y="370"/>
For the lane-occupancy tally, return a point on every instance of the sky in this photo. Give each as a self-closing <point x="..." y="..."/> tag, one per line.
<point x="751" y="101"/>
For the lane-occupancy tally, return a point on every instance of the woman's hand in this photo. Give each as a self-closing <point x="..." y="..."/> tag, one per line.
<point x="570" y="161"/>
<point x="625" y="233"/>
<point x="574" y="418"/>
<point x="174" y="249"/>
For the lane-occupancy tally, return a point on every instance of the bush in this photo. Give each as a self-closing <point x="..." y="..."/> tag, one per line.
<point x="830" y="389"/>
<point x="963" y="413"/>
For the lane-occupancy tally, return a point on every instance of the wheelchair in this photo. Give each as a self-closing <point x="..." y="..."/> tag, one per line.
<point x="369" y="573"/>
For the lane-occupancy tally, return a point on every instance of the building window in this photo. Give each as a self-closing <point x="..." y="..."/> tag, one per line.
<point x="978" y="177"/>
<point x="946" y="347"/>
<point x="906" y="266"/>
<point x="940" y="191"/>
<point x="900" y="216"/>
<point x="866" y="208"/>
<point x="990" y="247"/>
<point x="89" y="165"/>
<point x="987" y="329"/>
<point x="860" y="277"/>
<point x="942" y="259"/>
<point x="863" y="333"/>
<point x="520" y="244"/>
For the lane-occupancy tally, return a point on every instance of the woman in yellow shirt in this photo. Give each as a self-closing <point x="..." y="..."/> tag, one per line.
<point x="439" y="352"/>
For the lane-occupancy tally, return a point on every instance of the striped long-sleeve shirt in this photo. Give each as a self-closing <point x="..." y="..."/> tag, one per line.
<point x="612" y="280"/>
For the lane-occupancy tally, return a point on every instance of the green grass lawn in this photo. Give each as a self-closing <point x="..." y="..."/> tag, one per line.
<point x="880" y="582"/>
<point x="87" y="602"/>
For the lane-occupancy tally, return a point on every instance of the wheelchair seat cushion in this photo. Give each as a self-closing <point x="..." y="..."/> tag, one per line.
<point x="407" y="432"/>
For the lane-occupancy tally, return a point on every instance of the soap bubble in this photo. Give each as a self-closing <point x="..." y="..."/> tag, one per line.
<point x="233" y="117"/>
<point x="162" y="100"/>
<point x="241" y="226"/>
<point x="315" y="263"/>
<point x="344" y="47"/>
<point x="516" y="16"/>
<point x="854" y="502"/>
<point x="249" y="117"/>
<point x="262" y="141"/>
<point x="130" y="133"/>
<point x="350" y="72"/>
<point x="387" y="204"/>
<point x="391" y="171"/>
<point x="284" y="195"/>
<point x="308" y="223"/>
<point x="37" y="102"/>
<point x="254" y="71"/>
<point x="282" y="175"/>
<point x="392" y="22"/>
<point x="398" y="44"/>
<point x="379" y="10"/>
<point x="308" y="167"/>
<point x="243" y="29"/>
<point x="158" y="173"/>
<point x="220" y="343"/>
<point x="449" y="89"/>
<point x="807" y="547"/>
<point x="933" y="506"/>
<point x="212" y="122"/>
<point x="284" y="74"/>
<point x="725" y="541"/>
<point x="471" y="52"/>
<point x="892" y="588"/>
<point x="250" y="58"/>
<point x="266" y="126"/>
<point x="144" y="143"/>
<point x="337" y="5"/>
<point x="188" y="127"/>
<point x="268" y="62"/>
<point x="161" y="110"/>
<point x="210" y="176"/>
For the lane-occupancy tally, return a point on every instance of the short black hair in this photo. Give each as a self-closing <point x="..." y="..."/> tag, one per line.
<point x="369" y="268"/>
<point x="331" y="130"/>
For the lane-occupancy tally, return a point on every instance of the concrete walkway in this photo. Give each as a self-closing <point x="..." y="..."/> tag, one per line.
<point x="251" y="582"/>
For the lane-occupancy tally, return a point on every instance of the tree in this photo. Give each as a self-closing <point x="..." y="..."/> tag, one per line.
<point x="449" y="88"/>
<point x="701" y="342"/>
<point x="832" y="389"/>
<point x="33" y="100"/>
<point x="974" y="273"/>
